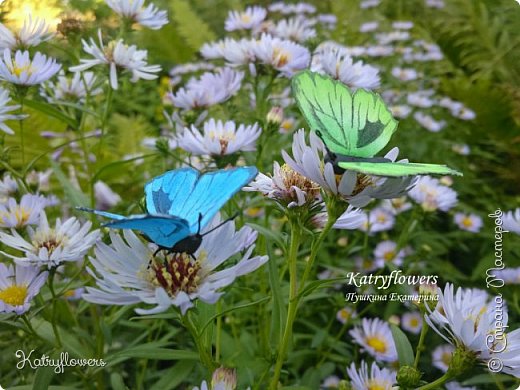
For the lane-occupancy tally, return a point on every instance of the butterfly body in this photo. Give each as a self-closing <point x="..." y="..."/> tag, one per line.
<point x="179" y="204"/>
<point x="354" y="126"/>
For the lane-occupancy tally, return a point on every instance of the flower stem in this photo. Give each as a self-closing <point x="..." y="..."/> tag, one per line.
<point x="54" y="302"/>
<point x="436" y="383"/>
<point x="104" y="120"/>
<point x="205" y="357"/>
<point x="293" y="301"/>
<point x="22" y="138"/>
<point x="420" y="347"/>
<point x="218" y="332"/>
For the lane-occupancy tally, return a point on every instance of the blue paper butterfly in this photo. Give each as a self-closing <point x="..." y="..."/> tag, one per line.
<point x="180" y="203"/>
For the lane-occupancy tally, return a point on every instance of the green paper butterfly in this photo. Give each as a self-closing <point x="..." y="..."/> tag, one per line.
<point x="354" y="127"/>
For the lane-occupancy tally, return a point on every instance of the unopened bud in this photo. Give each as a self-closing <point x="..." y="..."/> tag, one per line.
<point x="224" y="378"/>
<point x="408" y="376"/>
<point x="462" y="360"/>
<point x="275" y="116"/>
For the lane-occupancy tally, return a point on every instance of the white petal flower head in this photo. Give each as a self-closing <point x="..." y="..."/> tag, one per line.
<point x="355" y="188"/>
<point x="400" y="111"/>
<point x="404" y="74"/>
<point x="428" y="122"/>
<point x="283" y="55"/>
<point x="432" y="195"/>
<point x="468" y="222"/>
<point x="249" y="19"/>
<point x="345" y="314"/>
<point x="511" y="221"/>
<point x="75" y="88"/>
<point x="369" y="26"/>
<point x="51" y="246"/>
<point x="441" y="356"/>
<point x="208" y="90"/>
<point x="24" y="71"/>
<point x="117" y="55"/>
<point x="342" y="67"/>
<point x="105" y="197"/>
<point x="8" y="187"/>
<point x="127" y="273"/>
<point x="375" y="337"/>
<point x="351" y="219"/>
<point x="379" y="219"/>
<point x="5" y="113"/>
<point x="386" y="252"/>
<point x="286" y="186"/>
<point x="295" y="29"/>
<point x="32" y="33"/>
<point x="376" y="378"/>
<point x="330" y="382"/>
<point x="457" y="386"/>
<point x="412" y="322"/>
<point x="220" y="138"/>
<point x="135" y="10"/>
<point x="27" y="212"/>
<point x="18" y="286"/>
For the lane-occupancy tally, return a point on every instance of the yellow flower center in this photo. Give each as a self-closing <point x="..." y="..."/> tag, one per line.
<point x="467" y="222"/>
<point x="414" y="322"/>
<point x="49" y="240"/>
<point x="446" y="358"/>
<point x="345" y="314"/>
<point x="280" y="58"/>
<point x="389" y="256"/>
<point x="379" y="345"/>
<point x="18" y="70"/>
<point x="245" y="18"/>
<point x="374" y="384"/>
<point x="14" y="295"/>
<point x="21" y="214"/>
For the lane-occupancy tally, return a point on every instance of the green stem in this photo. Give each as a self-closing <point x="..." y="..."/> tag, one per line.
<point x="420" y="347"/>
<point x="436" y="383"/>
<point x="205" y="357"/>
<point x="218" y="333"/>
<point x="54" y="302"/>
<point x="104" y="120"/>
<point x="293" y="301"/>
<point x="22" y="139"/>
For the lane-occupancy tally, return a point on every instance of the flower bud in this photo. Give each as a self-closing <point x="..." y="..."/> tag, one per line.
<point x="408" y="377"/>
<point x="224" y="378"/>
<point x="275" y="116"/>
<point x="462" y="360"/>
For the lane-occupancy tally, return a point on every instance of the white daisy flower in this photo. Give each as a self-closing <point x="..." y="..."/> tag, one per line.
<point x="32" y="33"/>
<point x="330" y="382"/>
<point x="75" y="88"/>
<point x="369" y="4"/>
<point x="328" y="20"/>
<point x="249" y="19"/>
<point x="432" y="195"/>
<point x="283" y="55"/>
<point x="462" y="149"/>
<point x="378" y="220"/>
<point x="286" y="186"/>
<point x="441" y="356"/>
<point x="412" y="322"/>
<point x="404" y="74"/>
<point x="420" y="99"/>
<point x="219" y="138"/>
<point x="365" y="264"/>
<point x="401" y="111"/>
<point x="377" y="378"/>
<point x="8" y="187"/>
<point x="127" y="273"/>
<point x="351" y="219"/>
<point x="345" y="314"/>
<point x="379" y="51"/>
<point x="5" y="112"/>
<point x="342" y="67"/>
<point x="190" y="67"/>
<point x="298" y="8"/>
<point x="355" y="188"/>
<point x="457" y="386"/>
<point x="117" y="55"/>
<point x="392" y="36"/>
<point x="135" y="10"/>
<point x="428" y="122"/>
<point x="209" y="89"/>
<point x="508" y="275"/>
<point x="465" y="114"/>
<point x="435" y="3"/>
<point x="105" y="197"/>
<point x="295" y="29"/>
<point x="402" y="25"/>
<point x="14" y="215"/>
<point x="46" y="246"/>
<point x="18" y="286"/>
<point x="221" y="379"/>
<point x="369" y="27"/>
<point x="397" y="205"/>
<point x="469" y="222"/>
<point x="509" y="356"/>
<point x="22" y="70"/>
<point x="375" y="337"/>
<point x="386" y="252"/>
<point x="511" y="221"/>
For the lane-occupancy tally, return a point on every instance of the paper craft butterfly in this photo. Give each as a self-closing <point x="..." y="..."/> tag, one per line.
<point x="354" y="126"/>
<point x="179" y="204"/>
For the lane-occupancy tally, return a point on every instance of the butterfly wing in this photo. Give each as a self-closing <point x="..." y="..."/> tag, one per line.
<point x="163" y="230"/>
<point x="356" y="124"/>
<point x="171" y="186"/>
<point x="102" y="213"/>
<point x="210" y="192"/>
<point x="398" y="169"/>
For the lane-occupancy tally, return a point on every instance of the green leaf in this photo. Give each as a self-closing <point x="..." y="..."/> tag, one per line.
<point x="75" y="196"/>
<point x="43" y="378"/>
<point x="153" y="351"/>
<point x="403" y="346"/>
<point x="50" y="110"/>
<point x="268" y="233"/>
<point x="116" y="381"/>
<point x="174" y="376"/>
<point x="194" y="30"/>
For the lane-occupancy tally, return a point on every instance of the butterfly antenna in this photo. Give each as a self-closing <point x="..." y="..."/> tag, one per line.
<point x="222" y="223"/>
<point x="200" y="219"/>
